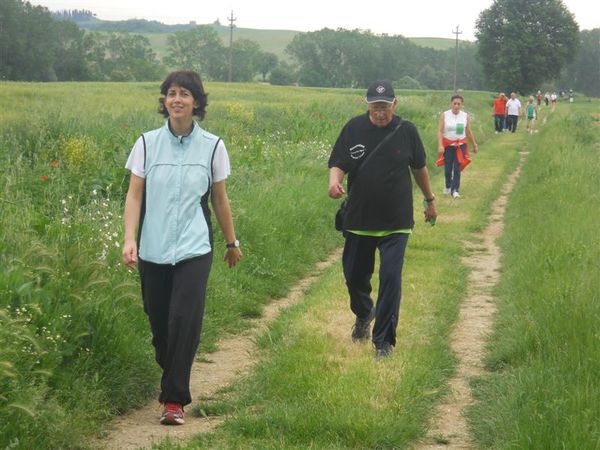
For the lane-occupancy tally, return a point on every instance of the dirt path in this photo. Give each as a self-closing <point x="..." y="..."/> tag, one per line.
<point x="235" y="356"/>
<point x="449" y="429"/>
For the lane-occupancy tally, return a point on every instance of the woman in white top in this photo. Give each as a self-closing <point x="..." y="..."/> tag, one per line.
<point x="453" y="132"/>
<point x="176" y="170"/>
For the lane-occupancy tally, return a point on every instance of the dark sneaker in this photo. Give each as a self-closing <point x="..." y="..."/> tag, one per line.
<point x="384" y="351"/>
<point x="361" y="331"/>
<point x="172" y="414"/>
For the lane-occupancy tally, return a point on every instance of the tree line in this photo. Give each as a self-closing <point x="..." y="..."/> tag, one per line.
<point x="521" y="45"/>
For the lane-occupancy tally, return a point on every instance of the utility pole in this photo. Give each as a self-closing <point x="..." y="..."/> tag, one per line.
<point x="456" y="54"/>
<point x="231" y="20"/>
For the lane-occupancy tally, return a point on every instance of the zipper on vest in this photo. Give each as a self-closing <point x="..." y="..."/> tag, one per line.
<point x="178" y="212"/>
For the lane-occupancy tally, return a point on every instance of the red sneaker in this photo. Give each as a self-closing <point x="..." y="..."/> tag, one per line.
<point x="172" y="414"/>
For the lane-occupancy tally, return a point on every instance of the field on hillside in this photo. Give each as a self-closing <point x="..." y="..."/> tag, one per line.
<point x="435" y="43"/>
<point x="74" y="342"/>
<point x="275" y="41"/>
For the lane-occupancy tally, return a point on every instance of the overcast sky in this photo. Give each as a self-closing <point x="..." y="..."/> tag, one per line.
<point x="411" y="18"/>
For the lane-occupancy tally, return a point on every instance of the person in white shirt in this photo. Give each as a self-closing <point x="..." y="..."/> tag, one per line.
<point x="176" y="171"/>
<point x="513" y="111"/>
<point x="453" y="153"/>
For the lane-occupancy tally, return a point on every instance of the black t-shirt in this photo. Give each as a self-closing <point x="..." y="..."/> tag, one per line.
<point x="380" y="198"/>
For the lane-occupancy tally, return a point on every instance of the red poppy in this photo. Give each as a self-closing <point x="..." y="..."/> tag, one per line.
<point x="44" y="177"/>
<point x="53" y="164"/>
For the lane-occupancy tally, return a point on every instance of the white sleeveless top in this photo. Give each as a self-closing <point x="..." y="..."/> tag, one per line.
<point x="455" y="125"/>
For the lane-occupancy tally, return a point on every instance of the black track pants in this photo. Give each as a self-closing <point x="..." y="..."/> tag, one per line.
<point x="359" y="263"/>
<point x="174" y="298"/>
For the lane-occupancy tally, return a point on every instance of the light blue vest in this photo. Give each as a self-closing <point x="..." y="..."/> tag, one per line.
<point x="176" y="224"/>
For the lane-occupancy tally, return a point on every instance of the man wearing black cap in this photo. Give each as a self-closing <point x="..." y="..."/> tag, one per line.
<point x="379" y="212"/>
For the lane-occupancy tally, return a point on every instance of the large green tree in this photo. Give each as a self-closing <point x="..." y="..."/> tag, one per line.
<point x="36" y="47"/>
<point x="354" y="58"/>
<point x="247" y="59"/>
<point x="268" y="62"/>
<point x="200" y="49"/>
<point x="523" y="43"/>
<point x="583" y="74"/>
<point x="121" y="57"/>
<point x="27" y="42"/>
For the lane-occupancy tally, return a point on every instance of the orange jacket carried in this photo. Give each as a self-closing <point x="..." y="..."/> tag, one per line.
<point x="464" y="158"/>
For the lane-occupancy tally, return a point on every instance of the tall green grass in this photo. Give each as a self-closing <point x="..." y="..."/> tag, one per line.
<point x="545" y="349"/>
<point x="74" y="341"/>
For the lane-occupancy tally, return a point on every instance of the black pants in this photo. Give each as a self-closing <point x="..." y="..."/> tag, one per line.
<point x="174" y="297"/>
<point x="359" y="263"/>
<point x="511" y="123"/>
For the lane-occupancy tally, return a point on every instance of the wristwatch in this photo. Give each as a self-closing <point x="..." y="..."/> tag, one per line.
<point x="429" y="200"/>
<point x="234" y="244"/>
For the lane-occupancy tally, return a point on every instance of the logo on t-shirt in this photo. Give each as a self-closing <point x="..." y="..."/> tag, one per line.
<point x="357" y="151"/>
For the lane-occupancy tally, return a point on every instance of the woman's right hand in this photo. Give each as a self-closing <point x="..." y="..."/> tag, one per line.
<point x="129" y="253"/>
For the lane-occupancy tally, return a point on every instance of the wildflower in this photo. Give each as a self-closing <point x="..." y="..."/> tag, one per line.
<point x="73" y="150"/>
<point x="44" y="177"/>
<point x="53" y="164"/>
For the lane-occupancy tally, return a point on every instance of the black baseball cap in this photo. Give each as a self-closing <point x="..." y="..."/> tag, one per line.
<point x="380" y="91"/>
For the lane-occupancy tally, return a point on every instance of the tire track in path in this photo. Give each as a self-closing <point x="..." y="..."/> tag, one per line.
<point x="235" y="356"/>
<point x="449" y="429"/>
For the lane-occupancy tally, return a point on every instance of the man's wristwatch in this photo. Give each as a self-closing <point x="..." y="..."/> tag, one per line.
<point x="234" y="244"/>
<point x="429" y="200"/>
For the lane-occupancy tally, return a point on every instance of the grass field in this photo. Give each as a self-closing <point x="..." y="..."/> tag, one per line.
<point x="544" y="353"/>
<point x="74" y="342"/>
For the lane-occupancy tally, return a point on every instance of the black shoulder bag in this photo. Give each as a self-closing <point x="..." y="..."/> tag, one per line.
<point x="341" y="212"/>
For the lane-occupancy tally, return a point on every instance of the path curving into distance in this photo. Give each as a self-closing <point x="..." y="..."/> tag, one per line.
<point x="449" y="429"/>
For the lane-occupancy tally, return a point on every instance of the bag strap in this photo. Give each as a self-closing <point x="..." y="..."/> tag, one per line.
<point x="381" y="144"/>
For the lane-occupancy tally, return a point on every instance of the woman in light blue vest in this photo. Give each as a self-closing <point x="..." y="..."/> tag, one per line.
<point x="175" y="169"/>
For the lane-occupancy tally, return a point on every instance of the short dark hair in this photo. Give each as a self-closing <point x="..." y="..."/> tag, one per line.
<point x="189" y="80"/>
<point x="455" y="96"/>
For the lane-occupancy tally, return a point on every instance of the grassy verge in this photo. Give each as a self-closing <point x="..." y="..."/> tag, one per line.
<point x="74" y="342"/>
<point x="545" y="349"/>
<point x="314" y="388"/>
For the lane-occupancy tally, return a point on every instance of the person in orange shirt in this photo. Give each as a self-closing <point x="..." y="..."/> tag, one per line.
<point x="499" y="112"/>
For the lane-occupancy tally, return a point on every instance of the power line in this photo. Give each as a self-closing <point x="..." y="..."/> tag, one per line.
<point x="456" y="54"/>
<point x="231" y="19"/>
